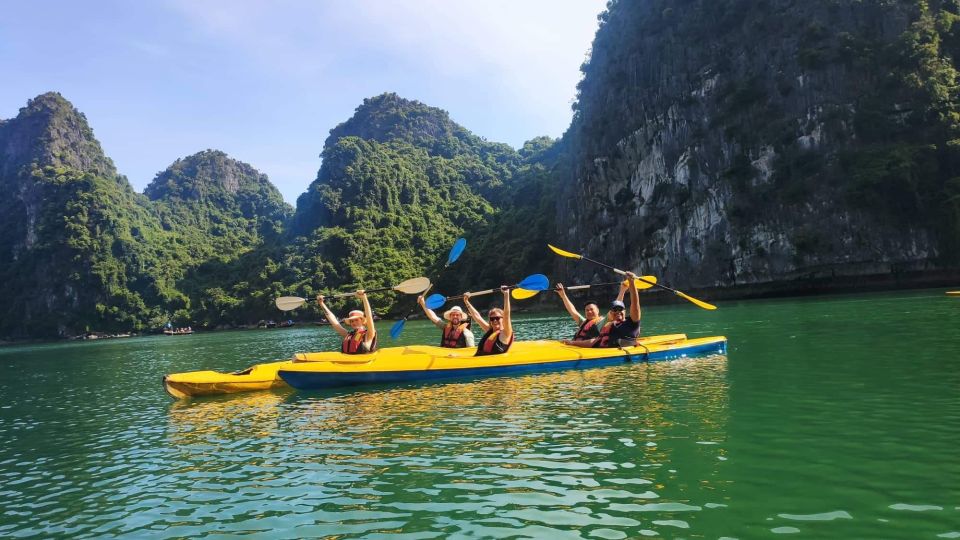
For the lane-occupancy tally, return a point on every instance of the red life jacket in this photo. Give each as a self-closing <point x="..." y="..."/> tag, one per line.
<point x="453" y="337"/>
<point x="353" y="342"/>
<point x="585" y="327"/>
<point x="604" y="335"/>
<point x="490" y="344"/>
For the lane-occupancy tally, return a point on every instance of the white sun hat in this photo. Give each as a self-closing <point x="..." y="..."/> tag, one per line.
<point x="454" y="309"/>
<point x="355" y="314"/>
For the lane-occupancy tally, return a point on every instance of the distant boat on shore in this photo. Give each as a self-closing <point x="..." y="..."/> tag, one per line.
<point x="177" y="331"/>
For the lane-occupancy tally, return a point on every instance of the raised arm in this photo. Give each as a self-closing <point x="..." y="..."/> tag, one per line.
<point x="474" y="313"/>
<point x="428" y="312"/>
<point x="331" y="318"/>
<point x="634" y="297"/>
<point x="577" y="318"/>
<point x="368" y="317"/>
<point x="507" y="333"/>
<point x="623" y="290"/>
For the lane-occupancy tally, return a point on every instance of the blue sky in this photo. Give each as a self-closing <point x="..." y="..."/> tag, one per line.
<point x="266" y="81"/>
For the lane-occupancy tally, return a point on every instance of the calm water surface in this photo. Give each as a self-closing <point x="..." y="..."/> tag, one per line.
<point x="830" y="418"/>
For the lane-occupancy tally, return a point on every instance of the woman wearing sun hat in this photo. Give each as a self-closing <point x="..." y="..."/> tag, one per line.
<point x="456" y="332"/>
<point x="362" y="336"/>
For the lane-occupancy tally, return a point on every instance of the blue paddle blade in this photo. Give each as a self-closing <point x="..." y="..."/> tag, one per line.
<point x="456" y="250"/>
<point x="397" y="328"/>
<point x="435" y="301"/>
<point x="535" y="282"/>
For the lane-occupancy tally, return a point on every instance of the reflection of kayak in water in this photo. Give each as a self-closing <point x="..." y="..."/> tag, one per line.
<point x="423" y="362"/>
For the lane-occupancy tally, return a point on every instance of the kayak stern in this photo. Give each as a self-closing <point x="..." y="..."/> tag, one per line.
<point x="205" y="383"/>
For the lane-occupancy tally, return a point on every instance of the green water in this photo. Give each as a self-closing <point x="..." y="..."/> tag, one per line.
<point x="830" y="418"/>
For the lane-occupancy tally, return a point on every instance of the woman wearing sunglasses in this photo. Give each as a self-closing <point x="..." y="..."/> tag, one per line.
<point x="499" y="331"/>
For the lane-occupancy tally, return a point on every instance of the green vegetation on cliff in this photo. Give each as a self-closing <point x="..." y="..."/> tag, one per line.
<point x="399" y="183"/>
<point x="80" y="250"/>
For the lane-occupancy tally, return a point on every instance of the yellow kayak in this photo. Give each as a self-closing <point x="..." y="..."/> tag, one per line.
<point x="419" y="362"/>
<point x="205" y="383"/>
<point x="422" y="362"/>
<point x="953" y="293"/>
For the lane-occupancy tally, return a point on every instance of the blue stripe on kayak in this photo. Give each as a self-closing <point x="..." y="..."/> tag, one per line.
<point x="307" y="380"/>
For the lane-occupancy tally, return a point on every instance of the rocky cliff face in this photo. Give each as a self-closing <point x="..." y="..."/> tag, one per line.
<point x="72" y="229"/>
<point x="722" y="143"/>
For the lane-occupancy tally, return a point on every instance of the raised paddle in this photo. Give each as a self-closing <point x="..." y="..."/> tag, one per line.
<point x="455" y="253"/>
<point x="645" y="283"/>
<point x="687" y="297"/>
<point x="533" y="282"/>
<point x="410" y="286"/>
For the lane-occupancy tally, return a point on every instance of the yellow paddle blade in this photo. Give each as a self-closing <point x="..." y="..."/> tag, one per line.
<point x="699" y="303"/>
<point x="563" y="253"/>
<point x="644" y="282"/>
<point x="522" y="294"/>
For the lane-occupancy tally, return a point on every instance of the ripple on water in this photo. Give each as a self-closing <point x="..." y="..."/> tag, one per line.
<point x="826" y="516"/>
<point x="915" y="507"/>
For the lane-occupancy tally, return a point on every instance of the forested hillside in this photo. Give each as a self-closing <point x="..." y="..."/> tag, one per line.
<point x="750" y="145"/>
<point x="81" y="251"/>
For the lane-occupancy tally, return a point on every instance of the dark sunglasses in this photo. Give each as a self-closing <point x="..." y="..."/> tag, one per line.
<point x="616" y="309"/>
<point x="495" y="318"/>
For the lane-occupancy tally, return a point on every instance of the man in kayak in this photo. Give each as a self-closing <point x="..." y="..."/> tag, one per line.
<point x="620" y="330"/>
<point x="499" y="332"/>
<point x="456" y="332"/>
<point x="589" y="322"/>
<point x="362" y="336"/>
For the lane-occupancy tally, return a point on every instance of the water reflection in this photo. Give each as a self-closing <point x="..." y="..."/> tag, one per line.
<point x="553" y="452"/>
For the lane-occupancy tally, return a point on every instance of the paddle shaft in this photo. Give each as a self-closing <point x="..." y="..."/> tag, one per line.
<point x="488" y="291"/>
<point x="623" y="273"/>
<point x="343" y="295"/>
<point x="579" y="287"/>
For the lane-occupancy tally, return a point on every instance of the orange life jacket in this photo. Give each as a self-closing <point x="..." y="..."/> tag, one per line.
<point x="584" y="331"/>
<point x="453" y="337"/>
<point x="353" y="342"/>
<point x="490" y="344"/>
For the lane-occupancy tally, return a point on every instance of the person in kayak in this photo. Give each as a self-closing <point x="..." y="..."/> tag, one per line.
<point x="619" y="330"/>
<point x="622" y="330"/>
<point x="362" y="336"/>
<point x="456" y="332"/>
<point x="589" y="323"/>
<point x="499" y="331"/>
